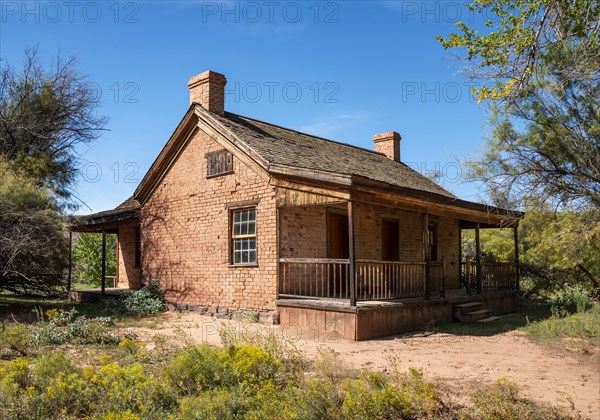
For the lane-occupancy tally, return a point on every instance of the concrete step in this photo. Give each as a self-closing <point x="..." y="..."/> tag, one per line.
<point x="477" y="315"/>
<point x="463" y="308"/>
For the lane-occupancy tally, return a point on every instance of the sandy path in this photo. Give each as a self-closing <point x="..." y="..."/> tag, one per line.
<point x="543" y="373"/>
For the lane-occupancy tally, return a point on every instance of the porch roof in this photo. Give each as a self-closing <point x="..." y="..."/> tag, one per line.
<point x="108" y="221"/>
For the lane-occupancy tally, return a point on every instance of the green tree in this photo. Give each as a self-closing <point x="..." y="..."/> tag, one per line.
<point x="555" y="247"/>
<point x="32" y="245"/>
<point x="45" y="114"/>
<point x="539" y="64"/>
<point x="87" y="257"/>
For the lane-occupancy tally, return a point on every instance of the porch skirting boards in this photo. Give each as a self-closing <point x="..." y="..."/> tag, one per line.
<point x="327" y="320"/>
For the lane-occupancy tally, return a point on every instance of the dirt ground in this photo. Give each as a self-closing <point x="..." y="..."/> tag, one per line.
<point x="544" y="372"/>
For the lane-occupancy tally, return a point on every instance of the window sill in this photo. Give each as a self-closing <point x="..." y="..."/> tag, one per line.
<point x="219" y="174"/>
<point x="243" y="265"/>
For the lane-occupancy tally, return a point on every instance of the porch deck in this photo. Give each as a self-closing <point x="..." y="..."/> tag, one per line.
<point x="378" y="318"/>
<point x="96" y="295"/>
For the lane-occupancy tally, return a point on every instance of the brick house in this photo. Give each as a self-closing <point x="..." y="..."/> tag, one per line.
<point x="238" y="213"/>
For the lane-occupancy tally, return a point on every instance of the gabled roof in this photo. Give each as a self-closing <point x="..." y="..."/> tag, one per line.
<point x="283" y="146"/>
<point x="274" y="149"/>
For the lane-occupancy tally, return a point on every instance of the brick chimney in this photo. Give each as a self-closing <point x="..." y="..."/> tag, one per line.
<point x="208" y="89"/>
<point x="388" y="144"/>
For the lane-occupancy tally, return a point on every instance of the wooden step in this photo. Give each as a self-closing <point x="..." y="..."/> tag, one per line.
<point x="463" y="308"/>
<point x="477" y="315"/>
<point x="490" y="318"/>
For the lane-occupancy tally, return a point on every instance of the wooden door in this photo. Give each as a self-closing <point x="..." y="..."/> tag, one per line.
<point x="390" y="240"/>
<point x="338" y="248"/>
<point x="338" y="240"/>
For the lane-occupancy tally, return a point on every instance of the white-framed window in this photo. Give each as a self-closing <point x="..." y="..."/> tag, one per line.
<point x="243" y="236"/>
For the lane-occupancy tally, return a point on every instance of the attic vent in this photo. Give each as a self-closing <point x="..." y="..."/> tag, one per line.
<point x="219" y="163"/>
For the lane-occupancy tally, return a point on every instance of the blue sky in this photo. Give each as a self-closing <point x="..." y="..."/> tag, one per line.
<point x="343" y="70"/>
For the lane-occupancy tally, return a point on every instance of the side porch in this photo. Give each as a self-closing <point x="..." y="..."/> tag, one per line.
<point x="124" y="223"/>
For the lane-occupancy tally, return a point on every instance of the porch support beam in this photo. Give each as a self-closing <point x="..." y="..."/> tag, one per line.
<point x="103" y="262"/>
<point x="460" y="255"/>
<point x="70" y="261"/>
<point x="516" y="238"/>
<point x="478" y="258"/>
<point x="351" y="255"/>
<point x="277" y="251"/>
<point x="427" y="255"/>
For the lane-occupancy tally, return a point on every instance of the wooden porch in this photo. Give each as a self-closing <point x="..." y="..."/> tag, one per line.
<point x="329" y="320"/>
<point x="329" y="279"/>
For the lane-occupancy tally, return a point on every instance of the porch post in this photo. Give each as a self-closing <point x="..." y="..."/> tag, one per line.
<point x="103" y="262"/>
<point x="443" y="285"/>
<point x="70" y="261"/>
<point x="352" y="257"/>
<point x="460" y="255"/>
<point x="478" y="258"/>
<point x="468" y="274"/>
<point x="516" y="238"/>
<point x="427" y="254"/>
<point x="277" y="251"/>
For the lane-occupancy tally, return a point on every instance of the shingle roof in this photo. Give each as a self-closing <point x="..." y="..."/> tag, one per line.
<point x="127" y="209"/>
<point x="279" y="145"/>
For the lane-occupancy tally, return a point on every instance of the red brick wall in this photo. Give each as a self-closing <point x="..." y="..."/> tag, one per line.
<point x="128" y="275"/>
<point x="185" y="234"/>
<point x="304" y="235"/>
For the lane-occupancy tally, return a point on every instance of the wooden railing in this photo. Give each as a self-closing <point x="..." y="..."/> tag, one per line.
<point x="389" y="279"/>
<point x="501" y="275"/>
<point x="316" y="278"/>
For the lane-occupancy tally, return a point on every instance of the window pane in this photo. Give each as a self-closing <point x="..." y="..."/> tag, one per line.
<point x="244" y="248"/>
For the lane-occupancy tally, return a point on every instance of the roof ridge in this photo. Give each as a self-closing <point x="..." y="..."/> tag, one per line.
<point x="337" y="142"/>
<point x="309" y="135"/>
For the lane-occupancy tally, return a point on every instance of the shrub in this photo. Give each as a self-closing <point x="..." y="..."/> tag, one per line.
<point x="14" y="375"/>
<point x="292" y="362"/>
<point x="16" y="337"/>
<point x="248" y="364"/>
<point x="569" y="300"/>
<point x="502" y="401"/>
<point x="585" y="326"/>
<point x="196" y="368"/>
<point x="148" y="300"/>
<point x="215" y="404"/>
<point x="67" y="328"/>
<point x="373" y="395"/>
